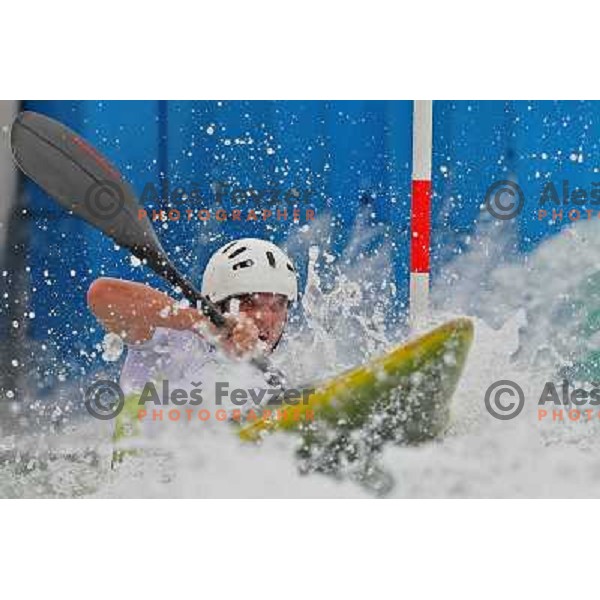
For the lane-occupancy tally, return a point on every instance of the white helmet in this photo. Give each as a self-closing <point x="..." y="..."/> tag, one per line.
<point x="249" y="266"/>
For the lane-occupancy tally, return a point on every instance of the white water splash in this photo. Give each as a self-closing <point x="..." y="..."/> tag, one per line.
<point x="112" y="344"/>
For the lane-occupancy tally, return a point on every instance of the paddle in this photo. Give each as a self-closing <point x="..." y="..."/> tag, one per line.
<point x="81" y="180"/>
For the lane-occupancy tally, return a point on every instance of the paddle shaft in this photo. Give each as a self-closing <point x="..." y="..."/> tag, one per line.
<point x="175" y="278"/>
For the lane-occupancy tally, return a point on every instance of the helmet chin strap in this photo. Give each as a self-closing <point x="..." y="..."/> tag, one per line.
<point x="283" y="329"/>
<point x="277" y="342"/>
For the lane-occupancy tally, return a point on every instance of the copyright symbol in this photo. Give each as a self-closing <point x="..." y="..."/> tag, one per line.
<point x="104" y="399"/>
<point x="504" y="410"/>
<point x="104" y="199"/>
<point x="504" y="200"/>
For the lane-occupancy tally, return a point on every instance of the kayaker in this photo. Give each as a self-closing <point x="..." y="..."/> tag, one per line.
<point x="252" y="281"/>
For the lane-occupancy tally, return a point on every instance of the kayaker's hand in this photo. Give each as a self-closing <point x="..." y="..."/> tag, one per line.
<point x="242" y="336"/>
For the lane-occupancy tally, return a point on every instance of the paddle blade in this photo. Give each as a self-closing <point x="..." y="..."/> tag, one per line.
<point x="81" y="180"/>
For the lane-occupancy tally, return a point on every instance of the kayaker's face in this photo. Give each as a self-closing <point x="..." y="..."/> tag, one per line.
<point x="268" y="312"/>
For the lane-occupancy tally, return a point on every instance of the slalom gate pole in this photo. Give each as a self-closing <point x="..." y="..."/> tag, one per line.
<point x="420" y="213"/>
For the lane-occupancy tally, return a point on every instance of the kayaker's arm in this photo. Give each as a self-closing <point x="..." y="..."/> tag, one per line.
<point x="134" y="310"/>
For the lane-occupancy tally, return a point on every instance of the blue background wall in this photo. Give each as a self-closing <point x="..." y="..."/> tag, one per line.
<point x="350" y="154"/>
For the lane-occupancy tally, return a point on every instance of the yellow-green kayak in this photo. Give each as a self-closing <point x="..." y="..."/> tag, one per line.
<point x="415" y="380"/>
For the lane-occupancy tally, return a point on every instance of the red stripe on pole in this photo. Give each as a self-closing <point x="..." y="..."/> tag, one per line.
<point x="420" y="226"/>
